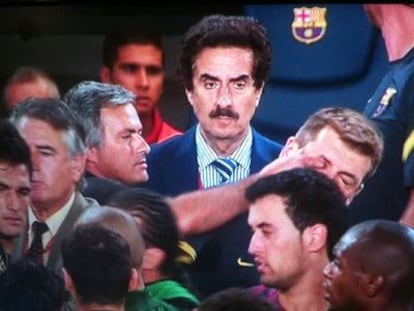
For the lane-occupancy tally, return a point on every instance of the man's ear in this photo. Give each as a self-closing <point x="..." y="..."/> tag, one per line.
<point x="259" y="93"/>
<point x="133" y="280"/>
<point x="357" y="191"/>
<point x="78" y="163"/>
<point x="316" y="238"/>
<point x="290" y="146"/>
<point x="153" y="258"/>
<point x="189" y="95"/>
<point x="91" y="155"/>
<point x="360" y="188"/>
<point x="372" y="283"/>
<point x="105" y="74"/>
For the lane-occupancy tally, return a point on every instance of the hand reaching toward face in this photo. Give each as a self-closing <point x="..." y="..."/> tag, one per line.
<point x="297" y="158"/>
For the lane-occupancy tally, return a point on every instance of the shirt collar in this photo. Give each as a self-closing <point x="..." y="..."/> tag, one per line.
<point x="152" y="137"/>
<point x="206" y="154"/>
<point x="55" y="220"/>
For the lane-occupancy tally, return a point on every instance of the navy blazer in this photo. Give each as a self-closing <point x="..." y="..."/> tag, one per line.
<point x="173" y="169"/>
<point x="101" y="189"/>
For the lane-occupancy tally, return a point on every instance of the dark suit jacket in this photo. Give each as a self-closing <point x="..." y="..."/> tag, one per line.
<point x="173" y="169"/>
<point x="101" y="189"/>
<point x="55" y="259"/>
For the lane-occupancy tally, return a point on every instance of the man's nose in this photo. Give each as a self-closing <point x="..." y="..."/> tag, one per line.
<point x="141" y="145"/>
<point x="224" y="97"/>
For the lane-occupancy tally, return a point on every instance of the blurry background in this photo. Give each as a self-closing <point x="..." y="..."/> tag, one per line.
<point x="64" y="38"/>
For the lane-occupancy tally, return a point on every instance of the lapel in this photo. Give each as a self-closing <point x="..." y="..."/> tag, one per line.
<point x="181" y="165"/>
<point x="263" y="152"/>
<point x="78" y="206"/>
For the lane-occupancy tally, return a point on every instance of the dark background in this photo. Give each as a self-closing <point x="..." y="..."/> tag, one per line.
<point x="64" y="38"/>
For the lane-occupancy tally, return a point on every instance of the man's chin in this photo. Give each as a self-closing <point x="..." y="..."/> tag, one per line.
<point x="137" y="180"/>
<point x="266" y="282"/>
<point x="144" y="108"/>
<point x="11" y="234"/>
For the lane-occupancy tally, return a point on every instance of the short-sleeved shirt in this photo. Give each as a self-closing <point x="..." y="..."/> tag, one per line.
<point x="391" y="107"/>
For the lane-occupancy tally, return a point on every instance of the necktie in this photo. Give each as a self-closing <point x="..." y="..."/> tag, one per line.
<point x="35" y="251"/>
<point x="4" y="260"/>
<point x="225" y="167"/>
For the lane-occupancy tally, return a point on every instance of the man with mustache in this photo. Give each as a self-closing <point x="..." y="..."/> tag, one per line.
<point x="224" y="63"/>
<point x="117" y="151"/>
<point x="15" y="175"/>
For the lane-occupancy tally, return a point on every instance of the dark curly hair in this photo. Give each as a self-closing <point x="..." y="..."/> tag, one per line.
<point x="226" y="31"/>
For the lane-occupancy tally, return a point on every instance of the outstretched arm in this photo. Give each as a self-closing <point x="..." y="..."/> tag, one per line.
<point x="204" y="210"/>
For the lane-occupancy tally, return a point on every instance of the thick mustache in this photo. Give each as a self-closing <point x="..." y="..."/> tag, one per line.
<point x="226" y="112"/>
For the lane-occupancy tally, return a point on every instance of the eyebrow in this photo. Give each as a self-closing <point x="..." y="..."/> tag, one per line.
<point x="129" y="65"/>
<point x="46" y="147"/>
<point x="206" y="76"/>
<point x="136" y="65"/>
<point x="265" y="225"/>
<point x="131" y="130"/>
<point x="4" y="185"/>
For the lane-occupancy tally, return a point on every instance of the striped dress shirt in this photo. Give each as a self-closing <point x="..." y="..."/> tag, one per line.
<point x="209" y="176"/>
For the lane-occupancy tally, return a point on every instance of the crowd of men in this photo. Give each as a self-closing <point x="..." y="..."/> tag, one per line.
<point x="104" y="205"/>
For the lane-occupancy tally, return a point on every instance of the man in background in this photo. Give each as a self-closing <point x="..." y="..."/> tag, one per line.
<point x="28" y="82"/>
<point x="15" y="177"/>
<point x="117" y="152"/>
<point x="296" y="217"/>
<point x="119" y="221"/>
<point x="97" y="268"/>
<point x="57" y="147"/>
<point x="136" y="61"/>
<point x="372" y="268"/>
<point x="391" y="190"/>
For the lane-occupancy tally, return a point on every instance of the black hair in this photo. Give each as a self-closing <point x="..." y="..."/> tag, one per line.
<point x="310" y="198"/>
<point x="14" y="148"/>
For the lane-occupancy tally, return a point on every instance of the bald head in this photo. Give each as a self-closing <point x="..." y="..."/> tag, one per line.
<point x="120" y="222"/>
<point x="391" y="242"/>
<point x="377" y="257"/>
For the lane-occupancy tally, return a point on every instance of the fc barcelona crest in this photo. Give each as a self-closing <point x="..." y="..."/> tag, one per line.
<point x="309" y="24"/>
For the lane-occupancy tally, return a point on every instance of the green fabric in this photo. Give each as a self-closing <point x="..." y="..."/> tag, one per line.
<point x="169" y="289"/>
<point x="145" y="301"/>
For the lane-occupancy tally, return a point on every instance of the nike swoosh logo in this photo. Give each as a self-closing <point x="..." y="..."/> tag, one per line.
<point x="243" y="263"/>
